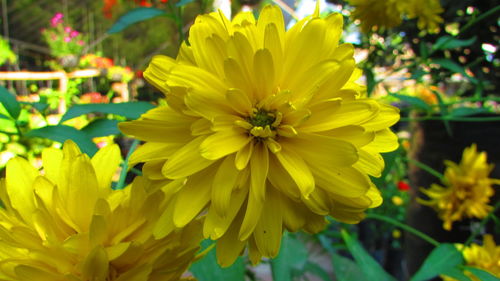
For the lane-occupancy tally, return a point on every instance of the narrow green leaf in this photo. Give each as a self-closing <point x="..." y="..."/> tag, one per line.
<point x="207" y="268"/>
<point x="368" y="265"/>
<point x="39" y="106"/>
<point x="317" y="270"/>
<point x="483" y="275"/>
<point x="416" y="102"/>
<point x="61" y="133"/>
<point x="346" y="269"/>
<point x="131" y="110"/>
<point x="9" y="102"/>
<point x="4" y="116"/>
<point x="453" y="67"/>
<point x="468" y="111"/>
<point x="292" y="257"/>
<point x="101" y="128"/>
<point x="449" y="42"/>
<point x="442" y="258"/>
<point x="133" y="16"/>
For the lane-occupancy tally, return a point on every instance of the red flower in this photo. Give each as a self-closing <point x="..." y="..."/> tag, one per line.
<point x="403" y="186"/>
<point x="108" y="6"/>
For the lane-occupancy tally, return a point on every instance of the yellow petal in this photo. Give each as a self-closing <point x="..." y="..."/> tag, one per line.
<point x="239" y="101"/>
<point x="19" y="185"/>
<point x="95" y="266"/>
<point x="259" y="167"/>
<point x="355" y="135"/>
<point x="346" y="181"/>
<point x="156" y="131"/>
<point x="252" y="217"/>
<point x="186" y="161"/>
<point x="158" y="70"/>
<point x="263" y="68"/>
<point x="51" y="158"/>
<point x="151" y="151"/>
<point x="229" y="247"/>
<point x="223" y="184"/>
<point x="385" y="141"/>
<point x="268" y="231"/>
<point x="387" y="116"/>
<point x="297" y="169"/>
<point x="370" y="162"/>
<point x="223" y="143"/>
<point x="106" y="162"/>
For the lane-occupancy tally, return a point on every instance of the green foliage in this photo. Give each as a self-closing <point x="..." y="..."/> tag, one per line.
<point x="442" y="258"/>
<point x="61" y="133"/>
<point x="10" y="103"/>
<point x="207" y="268"/>
<point x="131" y="110"/>
<point x="134" y="16"/>
<point x="291" y="259"/>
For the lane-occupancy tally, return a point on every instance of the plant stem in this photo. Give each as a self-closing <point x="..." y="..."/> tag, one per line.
<point x="424" y="167"/>
<point x="123" y="174"/>
<point x="406" y="227"/>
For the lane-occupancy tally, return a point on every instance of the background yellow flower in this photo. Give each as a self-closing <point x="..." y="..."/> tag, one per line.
<point x="66" y="223"/>
<point x="265" y="130"/>
<point x="466" y="189"/>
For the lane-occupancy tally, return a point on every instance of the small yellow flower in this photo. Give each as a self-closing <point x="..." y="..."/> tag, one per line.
<point x="427" y="14"/>
<point x="396" y="233"/>
<point x="67" y="224"/>
<point x="467" y="189"/>
<point x="265" y="130"/>
<point x="397" y="200"/>
<point x="486" y="257"/>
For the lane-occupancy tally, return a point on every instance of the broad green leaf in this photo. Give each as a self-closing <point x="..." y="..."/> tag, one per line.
<point x="317" y="270"/>
<point x="291" y="258"/>
<point x="4" y="116"/>
<point x="131" y="110"/>
<point x="456" y="274"/>
<point x="483" y="275"/>
<point x="101" y="128"/>
<point x="415" y="102"/>
<point x="133" y="16"/>
<point x="442" y="258"/>
<point x="10" y="103"/>
<point x="207" y="268"/>
<point x="368" y="265"/>
<point x="347" y="270"/>
<point x="454" y="67"/>
<point x="39" y="106"/>
<point x="448" y="42"/>
<point x="61" y="133"/>
<point x="467" y="111"/>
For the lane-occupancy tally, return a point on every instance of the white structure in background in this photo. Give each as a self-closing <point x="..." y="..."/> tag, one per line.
<point x="224" y="6"/>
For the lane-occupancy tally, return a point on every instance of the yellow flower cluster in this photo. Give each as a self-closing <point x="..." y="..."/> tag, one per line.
<point x="467" y="189"/>
<point x="265" y="130"/>
<point x="376" y="14"/>
<point x="67" y="224"/>
<point x="486" y="257"/>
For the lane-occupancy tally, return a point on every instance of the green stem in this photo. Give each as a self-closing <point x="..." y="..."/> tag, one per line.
<point x="123" y="174"/>
<point x="424" y="167"/>
<point x="406" y="227"/>
<point x="476" y="231"/>
<point x="478" y="19"/>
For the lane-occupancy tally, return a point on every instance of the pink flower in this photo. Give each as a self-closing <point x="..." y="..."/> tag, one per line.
<point x="67" y="39"/>
<point x="67" y="29"/>
<point x="74" y="33"/>
<point x="56" y="19"/>
<point x="80" y="42"/>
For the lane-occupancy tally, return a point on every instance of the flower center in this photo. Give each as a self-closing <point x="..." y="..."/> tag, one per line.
<point x="264" y="122"/>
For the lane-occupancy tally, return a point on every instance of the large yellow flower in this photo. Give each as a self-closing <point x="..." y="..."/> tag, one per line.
<point x="486" y="257"/>
<point x="467" y="189"/>
<point x="67" y="224"/>
<point x="265" y="130"/>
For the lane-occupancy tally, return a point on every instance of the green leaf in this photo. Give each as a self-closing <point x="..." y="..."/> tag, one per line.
<point x="133" y="16"/>
<point x="368" y="265"/>
<point x="39" y="106"/>
<point x="457" y="274"/>
<point x="4" y="116"/>
<point x="131" y="110"/>
<point x="483" y="275"/>
<point x="453" y="67"/>
<point x="442" y="258"/>
<point x="183" y="3"/>
<point x="101" y="128"/>
<point x="346" y="269"/>
<point x="292" y="257"/>
<point x="468" y="111"/>
<point x="413" y="101"/>
<point x="449" y="42"/>
<point x="317" y="270"/>
<point x="61" y="133"/>
<point x="207" y="268"/>
<point x="10" y="103"/>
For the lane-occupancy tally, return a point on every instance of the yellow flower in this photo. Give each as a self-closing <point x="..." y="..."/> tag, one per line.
<point x="375" y="14"/>
<point x="66" y="223"/>
<point x="397" y="200"/>
<point x="467" y="189"/>
<point x="486" y="257"/>
<point x="265" y="130"/>
<point x="427" y="12"/>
